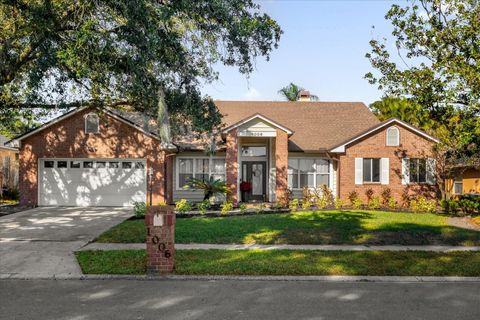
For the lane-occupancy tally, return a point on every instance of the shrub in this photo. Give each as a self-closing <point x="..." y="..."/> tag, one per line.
<point x="210" y="187"/>
<point x="306" y="204"/>
<point x="339" y="203"/>
<point x="422" y="205"/>
<point x="226" y="207"/>
<point x="183" y="205"/>
<point x="306" y="194"/>
<point x="392" y="203"/>
<point x="369" y="193"/>
<point x="321" y="203"/>
<point x="352" y="196"/>
<point x="326" y="194"/>
<point x="242" y="207"/>
<point x="139" y="209"/>
<point x="260" y="208"/>
<point x="293" y="205"/>
<point x="374" y="203"/>
<point x="469" y="204"/>
<point x="357" y="203"/>
<point x="405" y="198"/>
<point x="204" y="206"/>
<point x="450" y="206"/>
<point x="277" y="206"/>
<point x="11" y="194"/>
<point x="386" y="195"/>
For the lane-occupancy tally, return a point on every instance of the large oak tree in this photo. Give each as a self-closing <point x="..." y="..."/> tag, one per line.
<point x="150" y="55"/>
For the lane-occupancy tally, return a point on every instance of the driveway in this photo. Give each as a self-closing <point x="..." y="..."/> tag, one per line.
<point x="41" y="241"/>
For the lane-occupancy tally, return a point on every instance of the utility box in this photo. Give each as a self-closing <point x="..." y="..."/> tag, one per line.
<point x="160" y="228"/>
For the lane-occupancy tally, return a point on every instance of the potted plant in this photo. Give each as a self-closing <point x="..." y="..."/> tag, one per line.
<point x="245" y="187"/>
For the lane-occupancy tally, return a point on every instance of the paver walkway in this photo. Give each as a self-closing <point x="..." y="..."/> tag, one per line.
<point x="201" y="246"/>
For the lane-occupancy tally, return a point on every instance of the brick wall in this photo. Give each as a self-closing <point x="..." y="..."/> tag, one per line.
<point x="374" y="146"/>
<point x="67" y="139"/>
<point x="232" y="165"/>
<point x="281" y="164"/>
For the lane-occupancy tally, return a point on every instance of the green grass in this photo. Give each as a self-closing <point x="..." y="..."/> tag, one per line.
<point x="289" y="262"/>
<point x="319" y="227"/>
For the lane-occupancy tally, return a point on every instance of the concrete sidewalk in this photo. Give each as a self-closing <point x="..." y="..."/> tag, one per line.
<point x="201" y="246"/>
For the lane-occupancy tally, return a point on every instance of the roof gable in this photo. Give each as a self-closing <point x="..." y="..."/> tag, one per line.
<point x="256" y="121"/>
<point x="341" y="147"/>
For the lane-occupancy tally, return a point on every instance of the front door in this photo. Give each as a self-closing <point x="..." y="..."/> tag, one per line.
<point x="254" y="173"/>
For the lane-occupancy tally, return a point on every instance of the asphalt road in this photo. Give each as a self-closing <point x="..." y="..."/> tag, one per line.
<point x="133" y="299"/>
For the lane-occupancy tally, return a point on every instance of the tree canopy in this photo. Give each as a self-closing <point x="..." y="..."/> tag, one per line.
<point x="143" y="54"/>
<point x="435" y="65"/>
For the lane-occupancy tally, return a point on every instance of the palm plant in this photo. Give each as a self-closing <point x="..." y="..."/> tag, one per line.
<point x="210" y="187"/>
<point x="290" y="92"/>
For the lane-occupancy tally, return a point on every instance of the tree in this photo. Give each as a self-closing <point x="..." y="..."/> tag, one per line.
<point x="437" y="66"/>
<point x="290" y="92"/>
<point x="147" y="55"/>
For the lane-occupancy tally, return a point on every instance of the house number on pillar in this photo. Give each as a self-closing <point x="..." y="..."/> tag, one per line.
<point x="162" y="247"/>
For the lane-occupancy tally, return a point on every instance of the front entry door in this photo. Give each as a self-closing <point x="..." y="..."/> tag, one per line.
<point x="254" y="172"/>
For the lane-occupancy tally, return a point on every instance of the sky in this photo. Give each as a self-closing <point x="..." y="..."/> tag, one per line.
<point x="322" y="49"/>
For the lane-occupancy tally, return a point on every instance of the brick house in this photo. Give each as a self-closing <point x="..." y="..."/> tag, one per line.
<point x="97" y="158"/>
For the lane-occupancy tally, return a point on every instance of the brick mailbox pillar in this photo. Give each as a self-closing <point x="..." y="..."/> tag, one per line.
<point x="160" y="225"/>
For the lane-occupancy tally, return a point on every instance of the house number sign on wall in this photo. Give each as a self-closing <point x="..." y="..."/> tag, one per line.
<point x="162" y="247"/>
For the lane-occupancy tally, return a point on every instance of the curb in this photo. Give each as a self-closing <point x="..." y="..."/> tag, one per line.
<point x="381" y="279"/>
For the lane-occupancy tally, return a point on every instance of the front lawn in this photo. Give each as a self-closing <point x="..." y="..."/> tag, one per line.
<point x="312" y="227"/>
<point x="290" y="262"/>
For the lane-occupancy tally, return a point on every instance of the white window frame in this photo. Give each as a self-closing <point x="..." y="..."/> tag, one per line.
<point x="98" y="123"/>
<point x="397" y="140"/>
<point x="314" y="173"/>
<point x="194" y="168"/>
<point x="458" y="182"/>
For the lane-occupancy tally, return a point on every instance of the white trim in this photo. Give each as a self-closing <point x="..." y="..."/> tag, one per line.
<point x="397" y="141"/>
<point x="341" y="148"/>
<point x="358" y="171"/>
<point x="385" y="171"/>
<point x="257" y="116"/>
<point x="177" y="172"/>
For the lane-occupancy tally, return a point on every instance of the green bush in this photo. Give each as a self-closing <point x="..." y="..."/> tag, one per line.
<point x="139" y="209"/>
<point x="306" y="204"/>
<point x="357" y="203"/>
<point x="339" y="203"/>
<point x="242" y="207"/>
<point x="293" y="205"/>
<point x="470" y="204"/>
<point x="183" y="205"/>
<point x="392" y="203"/>
<point x="277" y="206"/>
<point x="374" y="203"/>
<point x="422" y="205"/>
<point x="352" y="196"/>
<point x="204" y="206"/>
<point x="450" y="206"/>
<point x="226" y="207"/>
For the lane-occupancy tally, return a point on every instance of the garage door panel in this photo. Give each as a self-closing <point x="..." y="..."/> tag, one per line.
<point x="74" y="186"/>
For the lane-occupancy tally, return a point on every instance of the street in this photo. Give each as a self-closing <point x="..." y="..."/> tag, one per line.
<point x="136" y="299"/>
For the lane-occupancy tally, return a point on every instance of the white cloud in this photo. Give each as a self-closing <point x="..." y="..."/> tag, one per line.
<point x="252" y="93"/>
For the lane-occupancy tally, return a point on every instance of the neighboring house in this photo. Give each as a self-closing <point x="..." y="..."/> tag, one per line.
<point x="466" y="180"/>
<point x="8" y="165"/>
<point x="107" y="158"/>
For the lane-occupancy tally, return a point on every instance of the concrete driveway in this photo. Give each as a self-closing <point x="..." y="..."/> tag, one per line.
<point x="41" y="241"/>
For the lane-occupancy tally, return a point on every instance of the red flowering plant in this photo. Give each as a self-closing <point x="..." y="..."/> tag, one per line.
<point x="245" y="186"/>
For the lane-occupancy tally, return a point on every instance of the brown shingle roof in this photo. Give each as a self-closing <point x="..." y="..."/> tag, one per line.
<point x="316" y="125"/>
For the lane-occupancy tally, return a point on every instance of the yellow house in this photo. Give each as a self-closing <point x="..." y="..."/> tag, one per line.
<point x="465" y="181"/>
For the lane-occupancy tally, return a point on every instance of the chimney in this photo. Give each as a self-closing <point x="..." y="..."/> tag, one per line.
<point x="304" y="95"/>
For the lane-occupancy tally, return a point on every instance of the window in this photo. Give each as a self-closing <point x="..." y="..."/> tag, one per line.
<point x="87" y="164"/>
<point x="185" y="171"/>
<point x="91" y="123"/>
<point x="371" y="170"/>
<point x="75" y="164"/>
<point x="393" y="136"/>
<point x="114" y="164"/>
<point x="61" y="164"/>
<point x="101" y="164"/>
<point x="251" y="151"/>
<point x="218" y="169"/>
<point x="126" y="165"/>
<point x="48" y="164"/>
<point x="458" y="185"/>
<point x="308" y="173"/>
<point x="200" y="168"/>
<point x="418" y="170"/>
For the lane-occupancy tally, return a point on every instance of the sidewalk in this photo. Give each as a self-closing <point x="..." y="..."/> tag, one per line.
<point x="201" y="246"/>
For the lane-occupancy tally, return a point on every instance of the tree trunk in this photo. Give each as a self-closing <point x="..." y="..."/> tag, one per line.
<point x="163" y="119"/>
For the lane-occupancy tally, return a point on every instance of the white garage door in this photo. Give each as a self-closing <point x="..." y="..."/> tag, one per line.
<point x="91" y="182"/>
